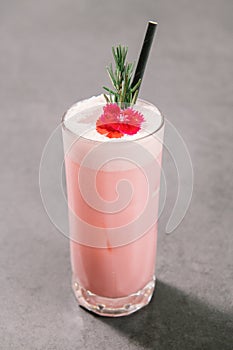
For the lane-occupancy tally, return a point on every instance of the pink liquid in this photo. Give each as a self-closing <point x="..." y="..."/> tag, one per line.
<point x="111" y="271"/>
<point x="113" y="252"/>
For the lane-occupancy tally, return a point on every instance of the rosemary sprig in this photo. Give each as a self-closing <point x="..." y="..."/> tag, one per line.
<point x="122" y="92"/>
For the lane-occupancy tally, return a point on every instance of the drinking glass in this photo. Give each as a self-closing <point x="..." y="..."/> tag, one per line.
<point x="113" y="199"/>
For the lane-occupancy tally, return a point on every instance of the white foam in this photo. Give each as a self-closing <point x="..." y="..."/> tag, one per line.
<point x="81" y="118"/>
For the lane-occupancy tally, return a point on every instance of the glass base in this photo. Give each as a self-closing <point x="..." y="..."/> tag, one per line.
<point x="114" y="307"/>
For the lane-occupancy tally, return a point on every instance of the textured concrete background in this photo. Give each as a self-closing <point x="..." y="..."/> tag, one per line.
<point x="53" y="53"/>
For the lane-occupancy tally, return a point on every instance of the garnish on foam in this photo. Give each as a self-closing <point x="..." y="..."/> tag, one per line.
<point x="119" y="117"/>
<point x="115" y="122"/>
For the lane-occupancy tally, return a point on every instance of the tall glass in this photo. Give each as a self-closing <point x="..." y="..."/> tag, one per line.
<point x="113" y="197"/>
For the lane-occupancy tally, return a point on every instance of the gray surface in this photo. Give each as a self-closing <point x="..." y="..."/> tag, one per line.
<point x="54" y="53"/>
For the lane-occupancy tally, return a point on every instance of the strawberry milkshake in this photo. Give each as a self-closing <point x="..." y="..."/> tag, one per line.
<point x="113" y="178"/>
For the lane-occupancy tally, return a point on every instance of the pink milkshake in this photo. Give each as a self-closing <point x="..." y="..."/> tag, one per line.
<point x="113" y="197"/>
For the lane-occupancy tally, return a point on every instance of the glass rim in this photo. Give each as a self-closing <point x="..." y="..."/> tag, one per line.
<point x="98" y="141"/>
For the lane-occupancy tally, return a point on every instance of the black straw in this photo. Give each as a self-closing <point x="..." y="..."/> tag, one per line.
<point x="139" y="72"/>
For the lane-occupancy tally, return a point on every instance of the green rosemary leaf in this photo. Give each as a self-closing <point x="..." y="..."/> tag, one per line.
<point x="114" y="54"/>
<point x="109" y="90"/>
<point x="130" y="69"/>
<point x="120" y="78"/>
<point x="136" y="86"/>
<point x="106" y="98"/>
<point x="111" y="76"/>
<point x="134" y="99"/>
<point x="124" y="88"/>
<point x="118" y="55"/>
